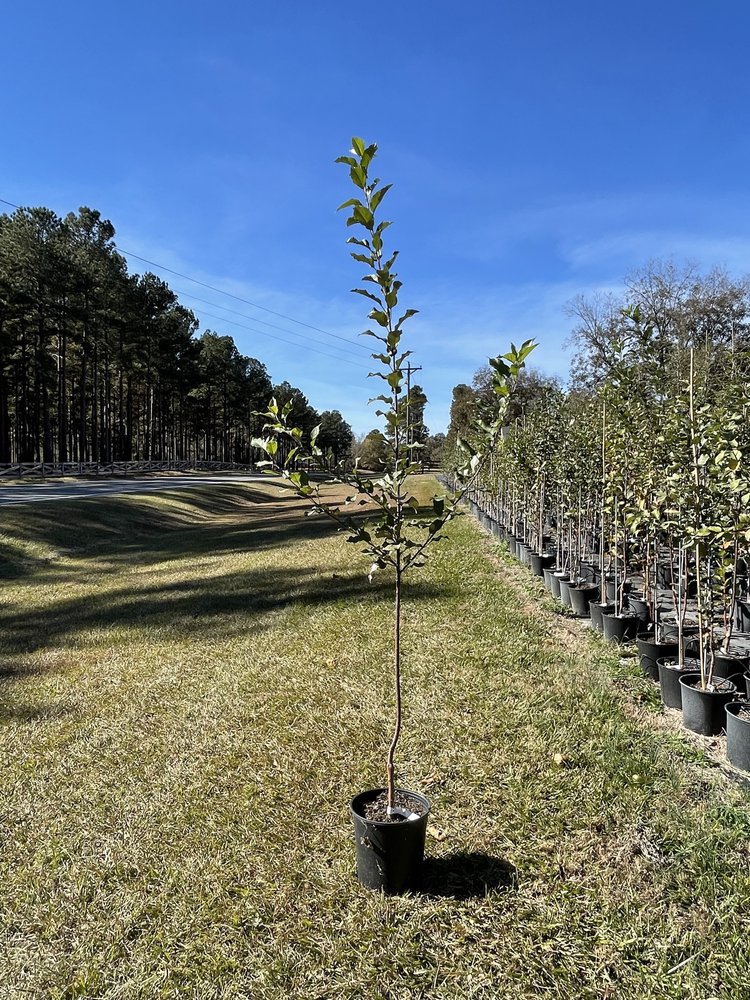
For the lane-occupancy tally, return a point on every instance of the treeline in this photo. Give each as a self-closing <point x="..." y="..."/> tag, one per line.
<point x="97" y="364"/>
<point x="664" y="312"/>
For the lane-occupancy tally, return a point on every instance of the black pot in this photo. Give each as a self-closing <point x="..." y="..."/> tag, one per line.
<point x="555" y="581"/>
<point x="588" y="572"/>
<point x="663" y="575"/>
<point x="547" y="574"/>
<point x="512" y="543"/>
<point x="522" y="551"/>
<point x="539" y="562"/>
<point x="619" y="628"/>
<point x="738" y="736"/>
<point x="727" y="665"/>
<point x="670" y="633"/>
<point x="650" y="651"/>
<point x="389" y="855"/>
<point x="669" y="679"/>
<point x="580" y="598"/>
<point x="597" y="610"/>
<point x="704" y="711"/>
<point x="742" y="616"/>
<point x="565" y="586"/>
<point x="611" y="588"/>
<point x="639" y="607"/>
<point x="498" y="530"/>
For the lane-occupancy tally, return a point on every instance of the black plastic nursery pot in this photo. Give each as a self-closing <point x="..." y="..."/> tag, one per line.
<point x="650" y="651"/>
<point x="639" y="607"/>
<point x="669" y="679"/>
<point x="611" y="588"/>
<point x="589" y="572"/>
<point x="738" y="734"/>
<point x="540" y="562"/>
<point x="523" y="553"/>
<point x="389" y="854"/>
<point x="727" y="664"/>
<point x="703" y="711"/>
<point x="555" y="581"/>
<point x="671" y="632"/>
<point x="742" y="616"/>
<point x="580" y="597"/>
<point x="596" y="610"/>
<point x="547" y="574"/>
<point x="619" y="628"/>
<point x="565" y="586"/>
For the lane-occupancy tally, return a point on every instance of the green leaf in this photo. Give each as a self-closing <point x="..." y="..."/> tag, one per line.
<point x="380" y="317"/>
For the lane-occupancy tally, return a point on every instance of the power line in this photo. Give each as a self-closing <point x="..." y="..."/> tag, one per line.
<point x="234" y="312"/>
<point x="304" y="347"/>
<point x="231" y="295"/>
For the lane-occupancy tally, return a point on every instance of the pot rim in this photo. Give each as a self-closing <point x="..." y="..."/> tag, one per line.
<point x="687" y="676"/>
<point x="737" y="704"/>
<point x="384" y="822"/>
<point x="674" y="665"/>
<point x="651" y="639"/>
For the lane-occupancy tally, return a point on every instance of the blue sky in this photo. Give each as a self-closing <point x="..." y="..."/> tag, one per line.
<point x="538" y="151"/>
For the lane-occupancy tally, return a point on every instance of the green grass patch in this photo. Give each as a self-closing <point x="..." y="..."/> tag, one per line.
<point x="193" y="686"/>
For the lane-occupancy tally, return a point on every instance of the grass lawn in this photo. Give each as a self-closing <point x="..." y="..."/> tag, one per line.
<point x="192" y="687"/>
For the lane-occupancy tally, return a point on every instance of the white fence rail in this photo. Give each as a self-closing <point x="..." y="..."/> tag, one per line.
<point x="50" y="470"/>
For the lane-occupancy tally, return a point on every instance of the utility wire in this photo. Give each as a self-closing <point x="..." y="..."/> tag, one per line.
<point x="231" y="295"/>
<point x="263" y="333"/>
<point x="254" y="319"/>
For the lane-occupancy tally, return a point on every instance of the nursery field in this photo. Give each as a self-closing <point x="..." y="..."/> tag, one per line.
<point x="193" y="686"/>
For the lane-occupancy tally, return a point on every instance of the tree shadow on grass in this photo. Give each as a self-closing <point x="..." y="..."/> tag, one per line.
<point x="234" y="604"/>
<point x="467" y="876"/>
<point x="112" y="532"/>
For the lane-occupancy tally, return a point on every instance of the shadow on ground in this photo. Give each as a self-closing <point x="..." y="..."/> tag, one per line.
<point x="113" y="532"/>
<point x="113" y="535"/>
<point x="467" y="876"/>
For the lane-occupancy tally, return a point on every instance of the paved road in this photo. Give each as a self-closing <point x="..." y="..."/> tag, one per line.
<point x="11" y="496"/>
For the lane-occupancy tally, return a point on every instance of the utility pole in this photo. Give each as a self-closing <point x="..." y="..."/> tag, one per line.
<point x="409" y="371"/>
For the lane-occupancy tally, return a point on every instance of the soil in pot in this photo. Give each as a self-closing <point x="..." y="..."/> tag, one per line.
<point x="580" y="598"/>
<point x="389" y="851"/>
<point x="738" y="734"/>
<point x="669" y="678"/>
<point x="703" y="711"/>
<point x="650" y="651"/>
<point x="619" y="628"/>
<point x="596" y="610"/>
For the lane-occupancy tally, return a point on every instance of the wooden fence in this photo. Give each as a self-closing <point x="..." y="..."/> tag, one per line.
<point x="51" y="470"/>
